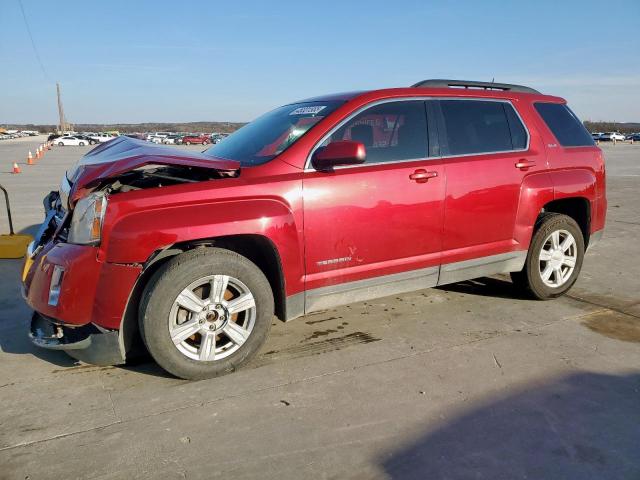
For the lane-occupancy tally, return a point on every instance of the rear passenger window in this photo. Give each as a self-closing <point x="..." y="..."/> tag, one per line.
<point x="390" y="132"/>
<point x="565" y="126"/>
<point x="476" y="126"/>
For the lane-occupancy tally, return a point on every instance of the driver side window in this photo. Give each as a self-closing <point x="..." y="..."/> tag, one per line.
<point x="390" y="132"/>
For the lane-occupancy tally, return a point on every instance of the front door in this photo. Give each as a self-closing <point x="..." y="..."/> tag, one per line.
<point x="375" y="229"/>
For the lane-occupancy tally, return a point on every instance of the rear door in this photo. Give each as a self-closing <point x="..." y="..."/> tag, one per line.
<point x="486" y="155"/>
<point x="366" y="226"/>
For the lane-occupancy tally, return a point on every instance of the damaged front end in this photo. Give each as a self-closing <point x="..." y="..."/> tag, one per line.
<point x="134" y="164"/>
<point x="78" y="298"/>
<point x="87" y="343"/>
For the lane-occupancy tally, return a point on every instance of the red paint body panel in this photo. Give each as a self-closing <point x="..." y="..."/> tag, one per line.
<point x="138" y="224"/>
<point x="92" y="291"/>
<point x="484" y="198"/>
<point x="328" y="228"/>
<point x="370" y="221"/>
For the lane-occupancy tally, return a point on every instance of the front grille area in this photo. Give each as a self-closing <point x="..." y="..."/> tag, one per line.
<point x="56" y="214"/>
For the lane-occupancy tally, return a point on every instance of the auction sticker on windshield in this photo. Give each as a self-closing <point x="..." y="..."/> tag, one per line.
<point x="308" y="110"/>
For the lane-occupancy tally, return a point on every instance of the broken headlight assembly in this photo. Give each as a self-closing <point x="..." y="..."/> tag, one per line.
<point x="86" y="222"/>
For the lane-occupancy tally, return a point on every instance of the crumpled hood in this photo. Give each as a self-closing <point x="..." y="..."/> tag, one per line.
<point x="123" y="154"/>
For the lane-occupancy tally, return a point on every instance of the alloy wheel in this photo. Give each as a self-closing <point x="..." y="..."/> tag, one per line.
<point x="557" y="259"/>
<point x="212" y="318"/>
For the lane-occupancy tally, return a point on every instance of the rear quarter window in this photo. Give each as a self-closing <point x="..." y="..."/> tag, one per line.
<point x="564" y="124"/>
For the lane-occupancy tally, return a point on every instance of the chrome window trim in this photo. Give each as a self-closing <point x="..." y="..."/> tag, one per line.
<point x="309" y="168"/>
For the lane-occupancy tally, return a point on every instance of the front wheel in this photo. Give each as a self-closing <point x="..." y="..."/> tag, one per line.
<point x="60" y="144"/>
<point x="81" y="144"/>
<point x="554" y="258"/>
<point x="206" y="313"/>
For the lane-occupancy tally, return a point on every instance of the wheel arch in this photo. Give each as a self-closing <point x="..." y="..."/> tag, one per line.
<point x="257" y="248"/>
<point x="577" y="208"/>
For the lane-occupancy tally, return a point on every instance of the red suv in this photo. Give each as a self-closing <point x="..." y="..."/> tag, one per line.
<point x="195" y="140"/>
<point x="318" y="203"/>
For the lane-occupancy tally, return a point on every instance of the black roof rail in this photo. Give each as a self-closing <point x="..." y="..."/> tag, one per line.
<point x="440" y="83"/>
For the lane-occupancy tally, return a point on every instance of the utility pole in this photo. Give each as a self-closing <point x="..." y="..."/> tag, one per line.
<point x="63" y="121"/>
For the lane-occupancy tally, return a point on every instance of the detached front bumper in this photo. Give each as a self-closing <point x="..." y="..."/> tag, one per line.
<point x="85" y="343"/>
<point x="79" y="299"/>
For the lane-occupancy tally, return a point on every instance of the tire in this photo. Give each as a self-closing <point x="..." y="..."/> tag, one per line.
<point x="81" y="144"/>
<point x="60" y="144"/>
<point x="187" y="143"/>
<point x="159" y="312"/>
<point x="92" y="142"/>
<point x="531" y="278"/>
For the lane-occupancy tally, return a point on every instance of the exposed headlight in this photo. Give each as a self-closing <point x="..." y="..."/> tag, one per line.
<point x="86" y="222"/>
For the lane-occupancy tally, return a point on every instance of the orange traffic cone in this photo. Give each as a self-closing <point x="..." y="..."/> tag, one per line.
<point x="16" y="168"/>
<point x="30" y="159"/>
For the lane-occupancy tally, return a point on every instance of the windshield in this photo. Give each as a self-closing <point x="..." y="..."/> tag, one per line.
<point x="272" y="133"/>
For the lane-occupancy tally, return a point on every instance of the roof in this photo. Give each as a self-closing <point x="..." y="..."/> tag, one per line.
<point x="443" y="87"/>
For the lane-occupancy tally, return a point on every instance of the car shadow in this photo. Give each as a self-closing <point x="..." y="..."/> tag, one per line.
<point x="486" y="287"/>
<point x="578" y="427"/>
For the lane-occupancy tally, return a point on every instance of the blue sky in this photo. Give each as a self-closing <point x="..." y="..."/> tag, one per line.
<point x="136" y="61"/>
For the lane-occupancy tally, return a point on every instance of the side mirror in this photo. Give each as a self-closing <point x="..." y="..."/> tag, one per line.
<point x="343" y="152"/>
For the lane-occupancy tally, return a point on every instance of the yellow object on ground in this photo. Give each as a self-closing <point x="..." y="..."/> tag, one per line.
<point x="14" y="246"/>
<point x="26" y="267"/>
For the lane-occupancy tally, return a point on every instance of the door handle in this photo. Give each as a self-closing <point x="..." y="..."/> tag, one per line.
<point x="524" y="164"/>
<point x="422" y="176"/>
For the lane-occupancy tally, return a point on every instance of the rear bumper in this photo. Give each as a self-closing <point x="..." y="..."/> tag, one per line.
<point x="86" y="343"/>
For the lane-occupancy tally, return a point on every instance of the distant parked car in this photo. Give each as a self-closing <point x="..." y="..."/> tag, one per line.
<point x="172" y="139"/>
<point x="195" y="140"/>
<point x="634" y="137"/>
<point x="597" y="135"/>
<point x="611" y="136"/>
<point x="67" y="140"/>
<point x="218" y="137"/>
<point x="52" y="137"/>
<point x="102" y="137"/>
<point x="88" y="139"/>
<point x="152" y="135"/>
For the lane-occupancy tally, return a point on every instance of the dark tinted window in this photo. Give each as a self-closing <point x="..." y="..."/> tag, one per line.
<point x="390" y="131"/>
<point x="518" y="133"/>
<point x="475" y="126"/>
<point x="272" y="133"/>
<point x="564" y="124"/>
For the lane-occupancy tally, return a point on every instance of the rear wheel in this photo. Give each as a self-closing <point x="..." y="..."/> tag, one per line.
<point x="81" y="144"/>
<point x="206" y="313"/>
<point x="554" y="259"/>
<point x="60" y="144"/>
